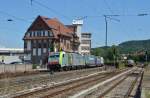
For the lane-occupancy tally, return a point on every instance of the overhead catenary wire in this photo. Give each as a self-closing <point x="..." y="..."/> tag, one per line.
<point x="68" y="17"/>
<point x="15" y="17"/>
<point x="107" y="5"/>
<point x="50" y="9"/>
<point x="113" y="15"/>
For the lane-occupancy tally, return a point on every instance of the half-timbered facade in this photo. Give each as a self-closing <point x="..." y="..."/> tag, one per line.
<point x="46" y="34"/>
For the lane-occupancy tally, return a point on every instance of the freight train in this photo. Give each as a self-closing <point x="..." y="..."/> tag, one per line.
<point x="70" y="60"/>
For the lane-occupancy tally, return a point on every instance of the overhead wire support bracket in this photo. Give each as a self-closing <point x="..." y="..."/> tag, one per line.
<point x="106" y="22"/>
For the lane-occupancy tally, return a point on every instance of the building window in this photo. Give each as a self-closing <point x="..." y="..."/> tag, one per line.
<point x="85" y="41"/>
<point x="34" y="44"/>
<point x="28" y="45"/>
<point x="35" y="33"/>
<point x="44" y="50"/>
<point x="86" y="36"/>
<point x="85" y="48"/>
<point x="25" y="44"/>
<point x="39" y="51"/>
<point x="38" y="33"/>
<point x="30" y="34"/>
<point x="50" y="34"/>
<point x="39" y="44"/>
<point x="34" y="51"/>
<point x="43" y="33"/>
<point x="46" y="33"/>
<point x="45" y="45"/>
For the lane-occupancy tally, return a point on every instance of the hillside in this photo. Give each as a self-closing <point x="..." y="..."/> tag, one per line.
<point x="133" y="46"/>
<point x="126" y="47"/>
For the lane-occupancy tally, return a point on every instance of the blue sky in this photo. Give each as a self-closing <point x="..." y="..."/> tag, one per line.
<point x="130" y="27"/>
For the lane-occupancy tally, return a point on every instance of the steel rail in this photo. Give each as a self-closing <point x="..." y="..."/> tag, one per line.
<point x="81" y="82"/>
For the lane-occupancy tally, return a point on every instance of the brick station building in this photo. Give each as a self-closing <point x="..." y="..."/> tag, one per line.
<point x="48" y="34"/>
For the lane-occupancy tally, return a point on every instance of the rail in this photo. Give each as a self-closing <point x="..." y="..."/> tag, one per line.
<point x="68" y="86"/>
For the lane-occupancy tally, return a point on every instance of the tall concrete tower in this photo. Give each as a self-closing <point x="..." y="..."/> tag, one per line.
<point x="78" y="23"/>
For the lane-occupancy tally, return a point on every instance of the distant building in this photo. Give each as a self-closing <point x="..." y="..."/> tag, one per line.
<point x="48" y="34"/>
<point x="9" y="55"/>
<point x="11" y="51"/>
<point x="85" y="43"/>
<point x="78" y="25"/>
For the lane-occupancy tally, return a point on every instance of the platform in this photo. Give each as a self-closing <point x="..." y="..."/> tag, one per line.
<point x="146" y="83"/>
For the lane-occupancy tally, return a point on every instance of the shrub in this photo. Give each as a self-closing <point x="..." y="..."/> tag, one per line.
<point x="34" y="66"/>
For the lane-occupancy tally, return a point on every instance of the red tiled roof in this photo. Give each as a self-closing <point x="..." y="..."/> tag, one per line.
<point x="57" y="27"/>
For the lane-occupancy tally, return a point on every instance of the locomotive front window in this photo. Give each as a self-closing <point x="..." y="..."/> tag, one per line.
<point x="54" y="57"/>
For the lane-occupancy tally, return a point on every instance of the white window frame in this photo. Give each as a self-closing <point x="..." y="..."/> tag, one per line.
<point x="42" y="33"/>
<point x="34" y="52"/>
<point x="46" y="33"/>
<point x="39" y="51"/>
<point x="44" y="50"/>
<point x="28" y="45"/>
<point x="35" y="33"/>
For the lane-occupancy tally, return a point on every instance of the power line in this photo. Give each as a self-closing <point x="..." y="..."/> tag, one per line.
<point x="115" y="15"/>
<point x="106" y="23"/>
<point x="17" y="18"/>
<point x="108" y="6"/>
<point x="50" y="9"/>
<point x="31" y="2"/>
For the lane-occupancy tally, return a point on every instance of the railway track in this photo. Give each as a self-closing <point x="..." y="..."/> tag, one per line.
<point x="8" y="87"/>
<point x="123" y="87"/>
<point x="12" y="86"/>
<point x="66" y="89"/>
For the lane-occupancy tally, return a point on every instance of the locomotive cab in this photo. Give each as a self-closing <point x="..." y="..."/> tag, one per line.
<point x="53" y="61"/>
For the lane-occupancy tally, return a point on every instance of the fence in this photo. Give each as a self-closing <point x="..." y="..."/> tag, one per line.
<point x="15" y="67"/>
